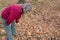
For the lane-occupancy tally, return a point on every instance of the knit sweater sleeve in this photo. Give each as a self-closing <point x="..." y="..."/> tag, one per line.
<point x="19" y="15"/>
<point x="17" y="19"/>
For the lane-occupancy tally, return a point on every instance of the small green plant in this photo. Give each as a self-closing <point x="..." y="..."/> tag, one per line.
<point x="2" y="35"/>
<point x="35" y="1"/>
<point x="1" y="25"/>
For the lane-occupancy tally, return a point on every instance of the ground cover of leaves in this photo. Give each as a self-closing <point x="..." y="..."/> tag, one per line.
<point x="42" y="23"/>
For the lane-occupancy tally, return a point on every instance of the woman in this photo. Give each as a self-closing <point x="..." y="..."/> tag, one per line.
<point x="12" y="14"/>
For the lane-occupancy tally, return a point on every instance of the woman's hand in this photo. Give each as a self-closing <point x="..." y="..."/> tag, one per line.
<point x="9" y="25"/>
<point x="18" y="24"/>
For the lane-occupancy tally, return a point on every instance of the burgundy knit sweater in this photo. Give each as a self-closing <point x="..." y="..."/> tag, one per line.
<point x="11" y="13"/>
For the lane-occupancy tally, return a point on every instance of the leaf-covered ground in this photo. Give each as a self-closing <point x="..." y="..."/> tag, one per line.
<point x="42" y="23"/>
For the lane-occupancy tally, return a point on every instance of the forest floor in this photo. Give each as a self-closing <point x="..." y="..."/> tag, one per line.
<point x="42" y="23"/>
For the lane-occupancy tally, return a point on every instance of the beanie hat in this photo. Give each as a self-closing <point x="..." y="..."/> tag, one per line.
<point x="26" y="7"/>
